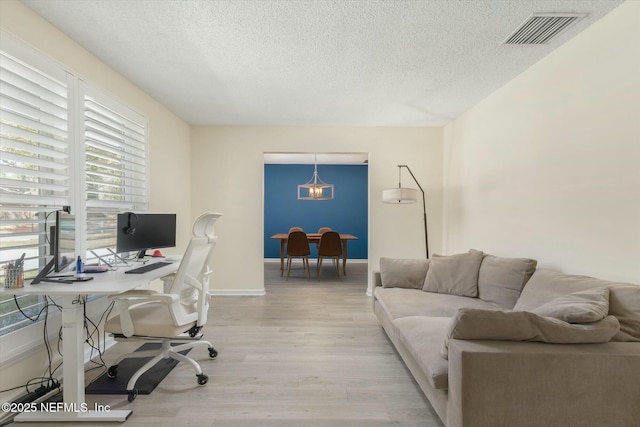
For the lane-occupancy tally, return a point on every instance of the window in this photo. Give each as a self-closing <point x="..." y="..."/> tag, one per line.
<point x="115" y="158"/>
<point x="60" y="137"/>
<point x="35" y="169"/>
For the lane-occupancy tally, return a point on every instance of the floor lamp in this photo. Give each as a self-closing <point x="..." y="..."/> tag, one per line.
<point x="407" y="195"/>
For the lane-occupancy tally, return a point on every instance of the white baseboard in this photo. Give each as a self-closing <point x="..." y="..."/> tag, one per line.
<point x="237" y="292"/>
<point x="349" y="260"/>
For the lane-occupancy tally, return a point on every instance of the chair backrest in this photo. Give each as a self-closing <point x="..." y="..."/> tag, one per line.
<point x="298" y="244"/>
<point x="191" y="281"/>
<point x="295" y="229"/>
<point x="330" y="244"/>
<point x="323" y="230"/>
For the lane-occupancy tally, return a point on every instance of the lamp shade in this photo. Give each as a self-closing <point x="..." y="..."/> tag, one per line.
<point x="400" y="195"/>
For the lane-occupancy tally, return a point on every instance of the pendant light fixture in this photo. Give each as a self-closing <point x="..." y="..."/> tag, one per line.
<point x="315" y="189"/>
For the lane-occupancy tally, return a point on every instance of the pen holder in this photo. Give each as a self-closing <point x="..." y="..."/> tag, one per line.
<point x="14" y="278"/>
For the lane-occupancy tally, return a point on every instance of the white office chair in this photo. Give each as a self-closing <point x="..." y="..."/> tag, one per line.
<point x="175" y="316"/>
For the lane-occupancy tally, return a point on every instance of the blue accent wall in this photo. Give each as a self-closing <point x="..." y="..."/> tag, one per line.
<point x="346" y="213"/>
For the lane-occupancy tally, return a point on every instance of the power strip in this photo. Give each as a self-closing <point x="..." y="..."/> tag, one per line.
<point x="39" y="395"/>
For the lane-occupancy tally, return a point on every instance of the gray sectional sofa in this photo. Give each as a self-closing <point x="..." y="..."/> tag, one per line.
<point x="496" y="342"/>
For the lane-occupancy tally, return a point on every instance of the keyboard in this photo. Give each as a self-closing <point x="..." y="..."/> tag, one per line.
<point x="147" y="268"/>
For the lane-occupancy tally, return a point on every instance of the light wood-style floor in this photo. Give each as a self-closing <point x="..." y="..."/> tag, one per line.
<point x="308" y="353"/>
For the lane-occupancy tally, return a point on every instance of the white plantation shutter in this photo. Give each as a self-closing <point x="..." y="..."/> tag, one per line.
<point x="35" y="160"/>
<point x="62" y="142"/>
<point x="115" y="156"/>
<point x="116" y="160"/>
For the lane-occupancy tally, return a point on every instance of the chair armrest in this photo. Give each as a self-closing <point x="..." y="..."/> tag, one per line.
<point x="126" y="300"/>
<point x="507" y="383"/>
<point x="133" y="292"/>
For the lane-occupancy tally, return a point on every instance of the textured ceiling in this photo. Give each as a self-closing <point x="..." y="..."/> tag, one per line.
<point x="313" y="63"/>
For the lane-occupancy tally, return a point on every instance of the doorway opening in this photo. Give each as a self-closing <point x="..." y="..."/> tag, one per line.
<point x="346" y="213"/>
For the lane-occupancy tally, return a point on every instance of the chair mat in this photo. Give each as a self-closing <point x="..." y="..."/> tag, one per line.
<point x="145" y="384"/>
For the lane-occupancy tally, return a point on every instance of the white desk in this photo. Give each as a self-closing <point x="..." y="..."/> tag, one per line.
<point x="109" y="283"/>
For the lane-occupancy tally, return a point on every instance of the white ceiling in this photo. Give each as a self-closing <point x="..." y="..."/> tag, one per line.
<point x="313" y="63"/>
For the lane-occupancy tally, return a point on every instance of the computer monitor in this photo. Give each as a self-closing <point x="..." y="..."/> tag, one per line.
<point x="140" y="232"/>
<point x="66" y="241"/>
<point x="62" y="236"/>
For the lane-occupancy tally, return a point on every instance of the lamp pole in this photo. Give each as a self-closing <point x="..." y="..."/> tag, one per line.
<point x="424" y="208"/>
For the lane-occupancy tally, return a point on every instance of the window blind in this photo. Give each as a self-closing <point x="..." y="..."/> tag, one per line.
<point x="35" y="163"/>
<point x="35" y="169"/>
<point x="115" y="166"/>
<point x="116" y="156"/>
<point x="62" y="142"/>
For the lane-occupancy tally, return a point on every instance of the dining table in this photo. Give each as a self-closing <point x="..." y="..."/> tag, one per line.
<point x="314" y="238"/>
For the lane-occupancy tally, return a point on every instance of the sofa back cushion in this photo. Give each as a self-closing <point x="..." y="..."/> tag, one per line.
<point x="506" y="325"/>
<point x="547" y="285"/>
<point x="501" y="280"/>
<point x="454" y="274"/>
<point x="579" y="307"/>
<point x="403" y="273"/>
<point x="624" y="304"/>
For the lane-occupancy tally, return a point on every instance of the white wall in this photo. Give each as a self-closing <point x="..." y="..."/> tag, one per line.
<point x="549" y="165"/>
<point x="168" y="140"/>
<point x="228" y="172"/>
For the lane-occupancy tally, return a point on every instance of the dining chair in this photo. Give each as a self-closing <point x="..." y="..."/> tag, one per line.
<point x="320" y="231"/>
<point x="330" y="246"/>
<point x="298" y="247"/>
<point x="295" y="229"/>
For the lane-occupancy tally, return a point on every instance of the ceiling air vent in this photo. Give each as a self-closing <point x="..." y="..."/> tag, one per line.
<point x="539" y="28"/>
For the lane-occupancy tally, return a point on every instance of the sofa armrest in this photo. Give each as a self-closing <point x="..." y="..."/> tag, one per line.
<point x="509" y="383"/>
<point x="376" y="279"/>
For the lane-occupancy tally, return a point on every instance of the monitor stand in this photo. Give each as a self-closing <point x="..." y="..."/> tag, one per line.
<point x="117" y="259"/>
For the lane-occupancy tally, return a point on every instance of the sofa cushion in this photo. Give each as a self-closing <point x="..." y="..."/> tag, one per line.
<point x="399" y="302"/>
<point x="403" y="273"/>
<point x="500" y="280"/>
<point x="474" y="324"/>
<point x="546" y="285"/>
<point x="454" y="274"/>
<point x="423" y="337"/>
<point x="580" y="307"/>
<point x="624" y="304"/>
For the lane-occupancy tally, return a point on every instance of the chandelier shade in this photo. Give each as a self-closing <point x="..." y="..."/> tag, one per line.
<point x="315" y="188"/>
<point x="315" y="191"/>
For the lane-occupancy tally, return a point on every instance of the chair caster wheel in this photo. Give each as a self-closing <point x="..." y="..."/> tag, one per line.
<point x="132" y="394"/>
<point x="202" y="379"/>
<point x="213" y="352"/>
<point x="112" y="372"/>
